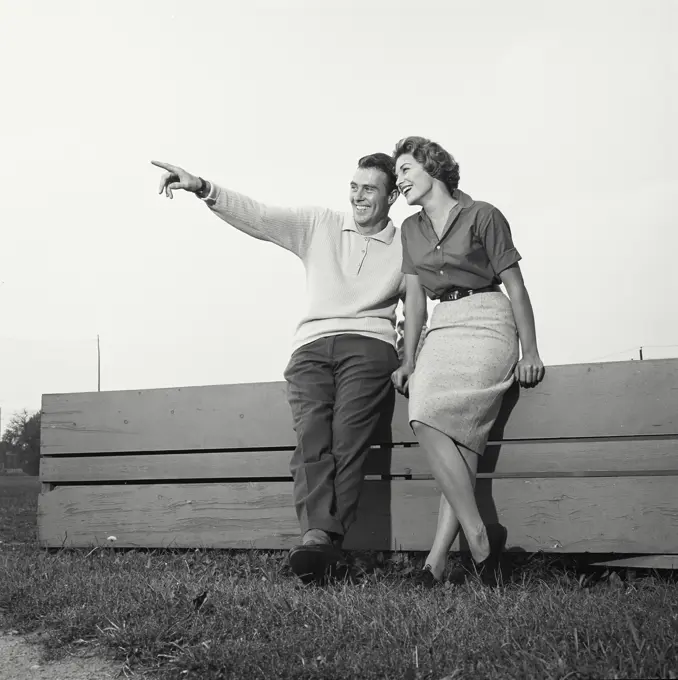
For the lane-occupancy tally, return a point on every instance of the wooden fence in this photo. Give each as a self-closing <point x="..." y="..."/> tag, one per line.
<point x="585" y="462"/>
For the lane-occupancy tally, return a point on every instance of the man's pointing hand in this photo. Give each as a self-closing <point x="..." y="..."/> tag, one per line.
<point x="176" y="178"/>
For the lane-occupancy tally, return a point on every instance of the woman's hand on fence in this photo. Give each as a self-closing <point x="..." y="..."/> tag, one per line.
<point x="401" y="378"/>
<point x="176" y="178"/>
<point x="529" y="370"/>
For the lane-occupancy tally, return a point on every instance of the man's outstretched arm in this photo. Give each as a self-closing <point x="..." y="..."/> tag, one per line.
<point x="287" y="227"/>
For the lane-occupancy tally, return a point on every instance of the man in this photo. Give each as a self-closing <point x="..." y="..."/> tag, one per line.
<point x="339" y="375"/>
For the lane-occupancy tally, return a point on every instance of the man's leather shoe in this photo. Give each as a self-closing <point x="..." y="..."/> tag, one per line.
<point x="312" y="561"/>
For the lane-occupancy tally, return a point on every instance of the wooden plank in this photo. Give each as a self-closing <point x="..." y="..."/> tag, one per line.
<point x="584" y="400"/>
<point x="642" y="562"/>
<point x="607" y="515"/>
<point x="182" y="418"/>
<point x="628" y="398"/>
<point x="525" y="458"/>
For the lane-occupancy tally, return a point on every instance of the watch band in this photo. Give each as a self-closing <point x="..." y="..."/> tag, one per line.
<point x="203" y="191"/>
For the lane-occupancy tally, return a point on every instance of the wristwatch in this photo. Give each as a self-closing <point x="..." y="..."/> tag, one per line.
<point x="203" y="191"/>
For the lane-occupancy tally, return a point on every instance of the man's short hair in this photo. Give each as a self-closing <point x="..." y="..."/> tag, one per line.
<point x="438" y="162"/>
<point x="383" y="162"/>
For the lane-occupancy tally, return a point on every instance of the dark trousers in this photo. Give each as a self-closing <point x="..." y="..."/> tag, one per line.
<point x="338" y="389"/>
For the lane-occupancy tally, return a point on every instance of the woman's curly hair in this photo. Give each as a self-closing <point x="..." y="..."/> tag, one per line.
<point x="436" y="161"/>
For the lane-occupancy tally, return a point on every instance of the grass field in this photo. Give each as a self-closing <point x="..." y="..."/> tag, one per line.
<point x="222" y="614"/>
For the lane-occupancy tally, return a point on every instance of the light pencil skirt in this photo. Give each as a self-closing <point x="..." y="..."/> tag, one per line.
<point x="465" y="367"/>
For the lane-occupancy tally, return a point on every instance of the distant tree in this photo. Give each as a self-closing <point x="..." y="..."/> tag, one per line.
<point x="22" y="438"/>
<point x="4" y="450"/>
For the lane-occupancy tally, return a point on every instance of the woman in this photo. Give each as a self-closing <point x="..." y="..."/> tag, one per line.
<point x="458" y="251"/>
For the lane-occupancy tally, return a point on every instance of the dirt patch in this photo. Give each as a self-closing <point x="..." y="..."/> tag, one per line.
<point x="21" y="660"/>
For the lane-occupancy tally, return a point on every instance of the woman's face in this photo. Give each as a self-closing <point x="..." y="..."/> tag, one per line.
<point x="413" y="181"/>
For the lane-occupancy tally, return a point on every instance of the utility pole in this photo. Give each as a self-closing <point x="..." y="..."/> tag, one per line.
<point x="98" y="365"/>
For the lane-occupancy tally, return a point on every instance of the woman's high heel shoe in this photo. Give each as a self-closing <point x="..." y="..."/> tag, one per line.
<point x="489" y="570"/>
<point x="425" y="578"/>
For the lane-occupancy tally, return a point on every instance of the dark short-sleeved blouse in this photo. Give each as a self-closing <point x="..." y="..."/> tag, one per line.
<point x="475" y="248"/>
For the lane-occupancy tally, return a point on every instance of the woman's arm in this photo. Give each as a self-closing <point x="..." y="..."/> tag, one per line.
<point x="530" y="368"/>
<point x="415" y="317"/>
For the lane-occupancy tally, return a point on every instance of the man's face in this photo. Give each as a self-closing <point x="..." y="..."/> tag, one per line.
<point x="370" y="198"/>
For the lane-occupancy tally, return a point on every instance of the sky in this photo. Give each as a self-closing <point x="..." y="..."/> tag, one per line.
<point x="560" y="114"/>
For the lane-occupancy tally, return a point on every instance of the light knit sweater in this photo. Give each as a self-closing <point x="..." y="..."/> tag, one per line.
<point x="353" y="282"/>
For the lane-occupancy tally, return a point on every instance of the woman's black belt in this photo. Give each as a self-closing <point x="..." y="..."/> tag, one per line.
<point x="457" y="292"/>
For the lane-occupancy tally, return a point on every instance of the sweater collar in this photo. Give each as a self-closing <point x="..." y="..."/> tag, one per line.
<point x="385" y="235"/>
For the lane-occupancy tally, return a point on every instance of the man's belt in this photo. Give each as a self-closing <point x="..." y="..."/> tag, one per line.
<point x="457" y="292"/>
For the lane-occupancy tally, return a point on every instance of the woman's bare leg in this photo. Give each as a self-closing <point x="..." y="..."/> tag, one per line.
<point x="446" y="532"/>
<point x="455" y="472"/>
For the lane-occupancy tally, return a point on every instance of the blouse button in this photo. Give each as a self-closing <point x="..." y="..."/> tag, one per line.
<point x="441" y="272"/>
<point x="437" y="247"/>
